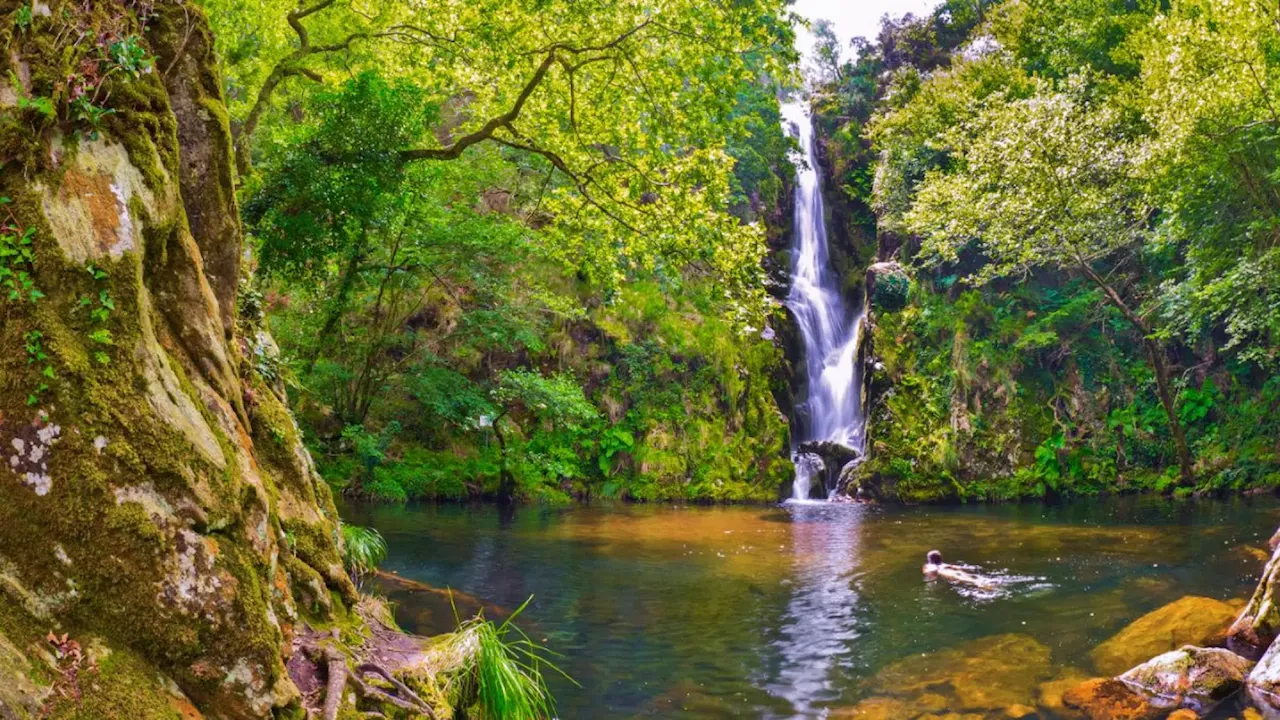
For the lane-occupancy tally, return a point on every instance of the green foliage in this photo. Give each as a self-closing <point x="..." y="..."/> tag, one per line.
<point x="33" y="343"/>
<point x="22" y="17"/>
<point x="1077" y="153"/>
<point x="17" y="260"/>
<point x="128" y="55"/>
<point x="507" y="669"/>
<point x="556" y="400"/>
<point x="363" y="549"/>
<point x="449" y="326"/>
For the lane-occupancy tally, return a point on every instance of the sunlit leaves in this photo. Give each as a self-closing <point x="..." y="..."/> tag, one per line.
<point x="1046" y="180"/>
<point x="630" y="120"/>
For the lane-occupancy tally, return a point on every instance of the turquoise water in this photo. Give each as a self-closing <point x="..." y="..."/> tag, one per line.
<point x="795" y="611"/>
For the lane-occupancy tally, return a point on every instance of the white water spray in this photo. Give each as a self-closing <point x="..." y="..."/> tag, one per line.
<point x="831" y="332"/>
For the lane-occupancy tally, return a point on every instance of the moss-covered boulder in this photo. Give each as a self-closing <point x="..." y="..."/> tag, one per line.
<point x="1196" y="677"/>
<point x="149" y="480"/>
<point x="1190" y="620"/>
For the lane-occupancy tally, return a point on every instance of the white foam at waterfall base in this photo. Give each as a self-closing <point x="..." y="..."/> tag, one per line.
<point x="831" y="331"/>
<point x="808" y="467"/>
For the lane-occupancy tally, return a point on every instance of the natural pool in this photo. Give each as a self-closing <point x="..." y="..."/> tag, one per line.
<point x="807" y="610"/>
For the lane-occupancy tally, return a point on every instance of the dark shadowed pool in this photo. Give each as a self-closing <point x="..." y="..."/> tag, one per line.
<point x="820" y="610"/>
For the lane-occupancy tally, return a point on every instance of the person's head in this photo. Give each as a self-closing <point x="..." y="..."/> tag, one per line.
<point x="934" y="557"/>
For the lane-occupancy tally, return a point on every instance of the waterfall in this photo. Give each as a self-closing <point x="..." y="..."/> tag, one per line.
<point x="832" y="408"/>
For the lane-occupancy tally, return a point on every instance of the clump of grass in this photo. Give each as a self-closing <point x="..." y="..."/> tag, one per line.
<point x="363" y="549"/>
<point x="505" y="669"/>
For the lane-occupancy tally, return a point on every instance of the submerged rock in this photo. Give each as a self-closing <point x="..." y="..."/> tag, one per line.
<point x="1191" y="620"/>
<point x="1049" y="694"/>
<point x="1109" y="699"/>
<point x="1191" y="676"/>
<point x="987" y="675"/>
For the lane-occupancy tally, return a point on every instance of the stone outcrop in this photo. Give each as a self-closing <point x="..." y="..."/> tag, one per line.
<point x="165" y="509"/>
<point x="1189" y="621"/>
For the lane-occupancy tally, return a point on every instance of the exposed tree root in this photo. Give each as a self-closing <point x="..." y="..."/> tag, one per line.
<point x="339" y="678"/>
<point x="334" y="690"/>
<point x="406" y="699"/>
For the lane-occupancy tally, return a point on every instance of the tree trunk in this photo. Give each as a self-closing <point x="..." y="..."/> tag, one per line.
<point x="1158" y="362"/>
<point x="1159" y="365"/>
<point x="148" y="477"/>
<point x="337" y="306"/>
<point x="506" y="481"/>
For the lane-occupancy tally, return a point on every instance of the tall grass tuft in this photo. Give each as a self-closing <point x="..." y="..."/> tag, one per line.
<point x="507" y="669"/>
<point x="363" y="549"/>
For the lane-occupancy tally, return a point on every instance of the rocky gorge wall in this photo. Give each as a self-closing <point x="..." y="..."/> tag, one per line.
<point x="156" y="504"/>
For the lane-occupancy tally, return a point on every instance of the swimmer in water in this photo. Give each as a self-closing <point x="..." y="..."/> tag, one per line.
<point x="935" y="568"/>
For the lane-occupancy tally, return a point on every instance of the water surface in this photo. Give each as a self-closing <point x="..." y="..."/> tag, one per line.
<point x="791" y="611"/>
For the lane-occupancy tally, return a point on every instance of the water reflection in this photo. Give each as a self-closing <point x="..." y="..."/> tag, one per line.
<point x="807" y="610"/>
<point x="821" y="620"/>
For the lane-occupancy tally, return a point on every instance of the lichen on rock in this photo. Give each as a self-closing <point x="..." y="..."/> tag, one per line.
<point x="143" y="503"/>
<point x="1196" y="677"/>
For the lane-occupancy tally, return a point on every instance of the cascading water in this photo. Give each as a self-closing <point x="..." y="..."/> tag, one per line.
<point x="832" y="408"/>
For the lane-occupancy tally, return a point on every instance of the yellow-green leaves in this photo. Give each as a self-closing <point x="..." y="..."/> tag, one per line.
<point x="624" y="108"/>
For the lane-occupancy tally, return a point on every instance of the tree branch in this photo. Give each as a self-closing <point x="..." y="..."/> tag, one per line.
<point x="486" y="131"/>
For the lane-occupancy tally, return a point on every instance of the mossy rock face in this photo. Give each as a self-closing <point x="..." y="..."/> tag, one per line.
<point x="1189" y="621"/>
<point x="148" y="475"/>
<point x="20" y="696"/>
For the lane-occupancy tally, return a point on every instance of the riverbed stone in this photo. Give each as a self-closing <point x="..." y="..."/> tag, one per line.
<point x="1183" y="714"/>
<point x="1109" y="699"/>
<point x="1191" y="620"/>
<point x="987" y="675"/>
<point x="877" y="708"/>
<point x="1049" y="694"/>
<point x="1191" y="676"/>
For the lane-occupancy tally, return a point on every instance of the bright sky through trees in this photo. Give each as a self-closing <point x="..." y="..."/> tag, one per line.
<point x="853" y="18"/>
